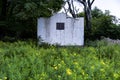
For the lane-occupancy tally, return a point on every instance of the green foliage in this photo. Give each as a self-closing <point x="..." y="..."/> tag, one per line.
<point x="103" y="25"/>
<point x="25" y="61"/>
<point x="25" y="9"/>
<point x="21" y="16"/>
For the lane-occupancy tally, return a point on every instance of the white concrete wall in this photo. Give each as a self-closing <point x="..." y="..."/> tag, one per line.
<point x="73" y="34"/>
<point x="43" y="29"/>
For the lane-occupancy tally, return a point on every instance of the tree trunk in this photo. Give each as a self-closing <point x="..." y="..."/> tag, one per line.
<point x="88" y="18"/>
<point x="87" y="9"/>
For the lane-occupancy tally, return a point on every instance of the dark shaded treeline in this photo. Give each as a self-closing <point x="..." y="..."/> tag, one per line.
<point x="103" y="25"/>
<point x="18" y="18"/>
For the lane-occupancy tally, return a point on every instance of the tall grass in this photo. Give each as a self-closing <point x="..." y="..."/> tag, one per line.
<point x="26" y="61"/>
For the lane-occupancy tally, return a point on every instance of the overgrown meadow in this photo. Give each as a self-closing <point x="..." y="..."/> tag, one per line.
<point x="26" y="61"/>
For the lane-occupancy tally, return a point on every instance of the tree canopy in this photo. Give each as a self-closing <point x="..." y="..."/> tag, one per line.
<point x="35" y="8"/>
<point x="20" y="16"/>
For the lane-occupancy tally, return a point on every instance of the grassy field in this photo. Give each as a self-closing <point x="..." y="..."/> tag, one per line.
<point x="26" y="61"/>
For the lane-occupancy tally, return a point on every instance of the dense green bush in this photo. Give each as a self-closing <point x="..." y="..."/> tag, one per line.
<point x="25" y="61"/>
<point x="18" y="18"/>
<point x="104" y="24"/>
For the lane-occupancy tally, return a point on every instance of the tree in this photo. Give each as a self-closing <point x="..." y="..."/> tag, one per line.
<point x="87" y="9"/>
<point x="96" y="13"/>
<point x="71" y="8"/>
<point x="35" y="8"/>
<point x="103" y="24"/>
<point x="20" y="16"/>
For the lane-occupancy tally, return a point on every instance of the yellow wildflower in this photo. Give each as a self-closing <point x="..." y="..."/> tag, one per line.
<point x="68" y="71"/>
<point x="92" y="67"/>
<point x="55" y="67"/>
<point x="83" y="73"/>
<point x="43" y="74"/>
<point x="74" y="54"/>
<point x="76" y="63"/>
<point x="116" y="75"/>
<point x="62" y="62"/>
<point x="5" y="78"/>
<point x="59" y="76"/>
<point x="102" y="62"/>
